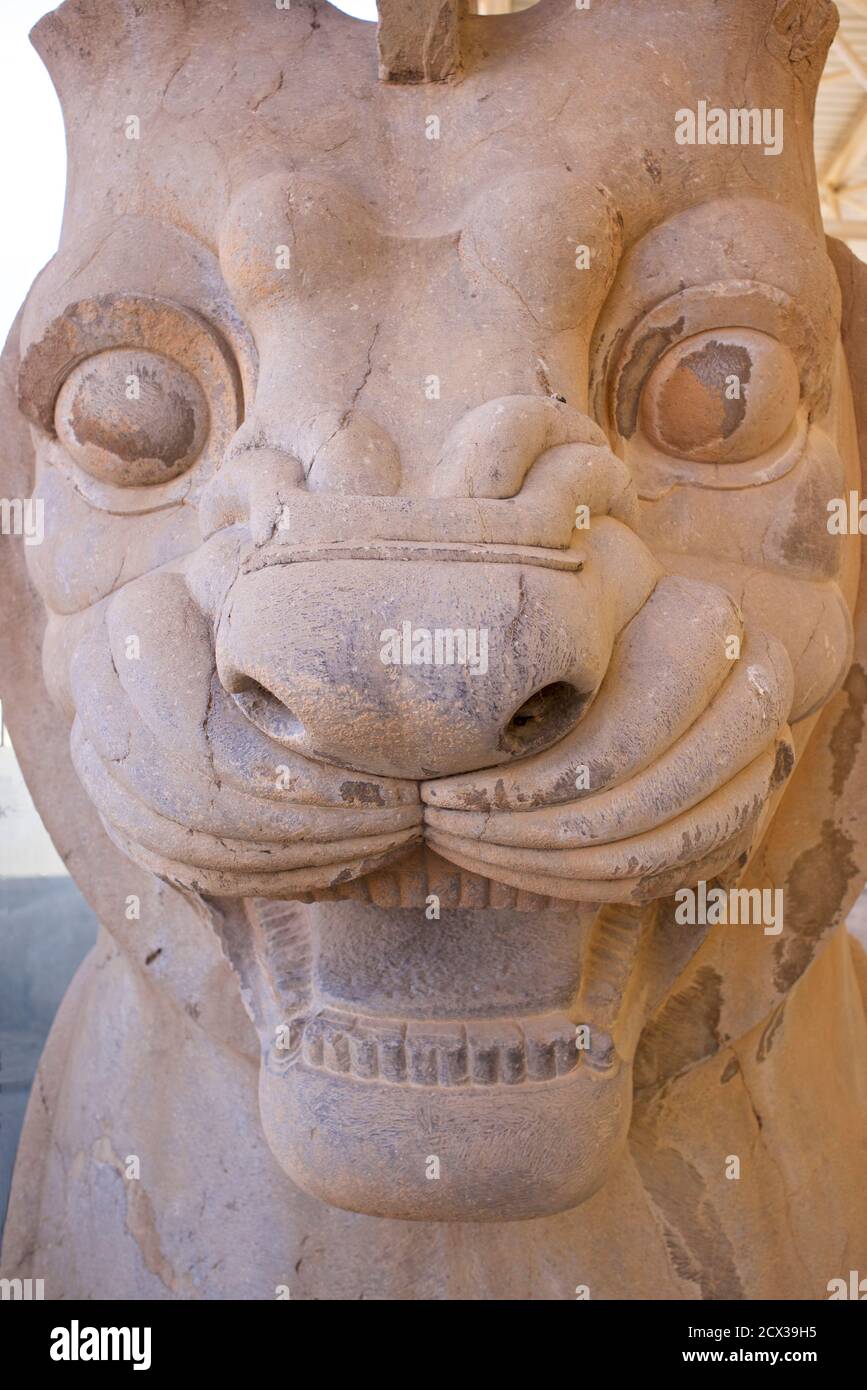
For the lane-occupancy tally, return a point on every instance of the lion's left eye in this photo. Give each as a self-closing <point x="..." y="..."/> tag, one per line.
<point x="721" y="397"/>
<point x="132" y="417"/>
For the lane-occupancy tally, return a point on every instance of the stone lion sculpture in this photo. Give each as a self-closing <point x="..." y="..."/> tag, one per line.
<point x="442" y="671"/>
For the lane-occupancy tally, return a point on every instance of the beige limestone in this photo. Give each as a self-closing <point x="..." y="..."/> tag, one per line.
<point x="437" y="580"/>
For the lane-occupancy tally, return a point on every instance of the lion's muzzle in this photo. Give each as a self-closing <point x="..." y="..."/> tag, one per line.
<point x="421" y="637"/>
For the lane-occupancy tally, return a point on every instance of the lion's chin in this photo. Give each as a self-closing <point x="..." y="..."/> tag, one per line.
<point x="470" y="1153"/>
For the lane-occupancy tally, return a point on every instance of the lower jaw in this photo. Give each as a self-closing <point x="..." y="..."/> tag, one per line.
<point x="496" y="1153"/>
<point x="438" y="1070"/>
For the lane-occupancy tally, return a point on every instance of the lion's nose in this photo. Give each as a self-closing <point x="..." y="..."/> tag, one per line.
<point x="422" y="636"/>
<point x="413" y="669"/>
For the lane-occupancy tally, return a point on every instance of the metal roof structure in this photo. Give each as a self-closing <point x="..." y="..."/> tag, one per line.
<point x="841" y="130"/>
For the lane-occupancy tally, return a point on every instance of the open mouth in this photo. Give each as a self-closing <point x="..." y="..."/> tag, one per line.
<point x="431" y="1031"/>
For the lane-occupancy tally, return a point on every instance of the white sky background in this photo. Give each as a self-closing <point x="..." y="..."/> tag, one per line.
<point x="361" y="9"/>
<point x="33" y="177"/>
<point x="32" y="157"/>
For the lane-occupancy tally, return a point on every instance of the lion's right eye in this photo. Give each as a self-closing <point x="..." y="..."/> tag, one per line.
<point x="723" y="396"/>
<point x="131" y="417"/>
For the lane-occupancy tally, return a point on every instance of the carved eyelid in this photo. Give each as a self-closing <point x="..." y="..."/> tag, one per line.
<point x="152" y="326"/>
<point x="146" y="322"/>
<point x="701" y="313"/>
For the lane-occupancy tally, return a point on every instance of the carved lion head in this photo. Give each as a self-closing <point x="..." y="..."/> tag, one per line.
<point x="435" y="484"/>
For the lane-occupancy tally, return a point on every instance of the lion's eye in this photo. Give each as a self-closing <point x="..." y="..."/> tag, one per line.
<point x="721" y="397"/>
<point x="131" y="417"/>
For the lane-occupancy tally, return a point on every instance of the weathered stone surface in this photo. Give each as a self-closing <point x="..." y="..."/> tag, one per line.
<point x="436" y="586"/>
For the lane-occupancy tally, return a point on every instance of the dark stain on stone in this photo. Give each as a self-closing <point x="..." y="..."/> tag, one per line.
<point x="708" y="997"/>
<point x="814" y="895"/>
<point x="849" y="729"/>
<point x="361" y="793"/>
<point x="730" y="1072"/>
<point x="769" y="1032"/>
<point x="564" y="789"/>
<point x="784" y="761"/>
<point x="149" y="959"/>
<point x="652" y="166"/>
<point x="542" y="378"/>
<point x="699" y="1249"/>
<point x="474" y="800"/>
<point x="686" y="1030"/>
<point x="500" y="800"/>
<point x="647" y="350"/>
<point x="110" y="429"/>
<point x="712" y="365"/>
<point x="803" y="543"/>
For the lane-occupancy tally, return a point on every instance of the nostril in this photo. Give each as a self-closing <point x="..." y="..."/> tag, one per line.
<point x="543" y="719"/>
<point x="263" y="709"/>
